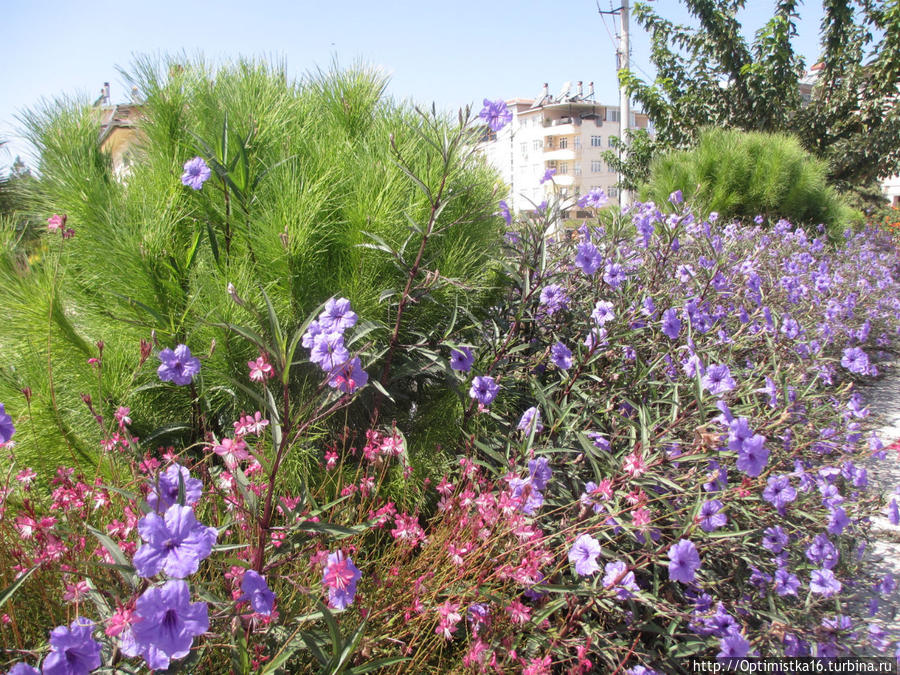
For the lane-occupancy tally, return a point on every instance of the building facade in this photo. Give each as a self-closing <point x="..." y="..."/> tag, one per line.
<point x="568" y="134"/>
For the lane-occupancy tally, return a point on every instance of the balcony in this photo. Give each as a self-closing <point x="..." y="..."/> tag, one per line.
<point x="561" y="129"/>
<point x="566" y="154"/>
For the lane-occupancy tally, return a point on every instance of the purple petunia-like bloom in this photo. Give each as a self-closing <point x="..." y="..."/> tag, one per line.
<point x="753" y="456"/>
<point x="733" y="646"/>
<point x="855" y="360"/>
<point x="561" y="356"/>
<point x="164" y="492"/>
<point x="196" y="173"/>
<point x="779" y="492"/>
<point x="73" y="651"/>
<point x="894" y="512"/>
<point x="349" y="376"/>
<point x="540" y="472"/>
<point x="328" y="351"/>
<point x="337" y="316"/>
<point x="626" y="585"/>
<point x="462" y="359"/>
<point x="257" y="592"/>
<point x="6" y="425"/>
<point x="484" y="389"/>
<point x="718" y="380"/>
<point x="174" y="543"/>
<point x="822" y="552"/>
<point x="824" y="582"/>
<point x="711" y="517"/>
<point x="774" y="539"/>
<point x="614" y="275"/>
<point x="531" y="418"/>
<point x="167" y="623"/>
<point x="588" y="258"/>
<point x="583" y="555"/>
<point x="496" y="114"/>
<point x="340" y="578"/>
<point x="594" y="199"/>
<point x="671" y="324"/>
<point x="23" y="669"/>
<point x="178" y="365"/>
<point x="553" y="299"/>
<point x="786" y="583"/>
<point x="548" y="175"/>
<point x="504" y="212"/>
<point x="603" y="312"/>
<point x="684" y="561"/>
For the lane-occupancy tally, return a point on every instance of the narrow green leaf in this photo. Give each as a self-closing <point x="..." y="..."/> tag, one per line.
<point x="117" y="555"/>
<point x="10" y="590"/>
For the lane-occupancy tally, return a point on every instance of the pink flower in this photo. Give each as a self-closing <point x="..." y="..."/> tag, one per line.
<point x="233" y="450"/>
<point x="56" y="222"/>
<point x="261" y="369"/>
<point x="74" y="592"/>
<point x="331" y="459"/>
<point x="518" y="612"/>
<point x="640" y="517"/>
<point x="122" y="416"/>
<point x="251" y="425"/>
<point x="120" y="621"/>
<point x="634" y="464"/>
<point x="450" y="617"/>
<point x="26" y="476"/>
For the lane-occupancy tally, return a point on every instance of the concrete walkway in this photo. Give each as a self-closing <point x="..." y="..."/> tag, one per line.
<point x="883" y="551"/>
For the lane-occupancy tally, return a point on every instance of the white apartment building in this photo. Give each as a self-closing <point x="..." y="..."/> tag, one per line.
<point x="568" y="133"/>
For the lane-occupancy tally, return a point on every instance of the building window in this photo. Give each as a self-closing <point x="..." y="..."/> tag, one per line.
<point x="610" y="169"/>
<point x="578" y="142"/>
<point x="596" y="166"/>
<point x="612" y="115"/>
<point x="563" y="143"/>
<point x="577" y="169"/>
<point x="612" y="192"/>
<point x="538" y="144"/>
<point x="596" y="141"/>
<point x="562" y="168"/>
<point x="524" y="148"/>
<point x="609" y="142"/>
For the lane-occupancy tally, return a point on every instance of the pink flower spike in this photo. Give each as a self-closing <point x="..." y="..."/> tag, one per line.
<point x="56" y="222"/>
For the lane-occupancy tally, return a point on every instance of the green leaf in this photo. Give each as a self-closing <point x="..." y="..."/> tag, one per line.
<point x="240" y="659"/>
<point x="192" y="251"/>
<point x="117" y="555"/>
<point x="10" y="590"/>
<point x="377" y="664"/>
<point x="213" y="242"/>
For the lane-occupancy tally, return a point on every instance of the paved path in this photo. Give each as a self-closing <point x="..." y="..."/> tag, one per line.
<point x="883" y="551"/>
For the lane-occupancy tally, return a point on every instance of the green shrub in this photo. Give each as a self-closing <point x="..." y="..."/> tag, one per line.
<point x="743" y="174"/>
<point x="325" y="192"/>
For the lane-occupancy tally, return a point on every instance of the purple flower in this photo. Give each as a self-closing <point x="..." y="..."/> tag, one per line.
<point x="855" y="360"/>
<point x="774" y="539"/>
<point x="710" y="516"/>
<point x="561" y="356"/>
<point x="349" y="376"/>
<point x="753" y="456"/>
<point x="588" y="258"/>
<point x="718" y="380"/>
<point x="337" y="316"/>
<point x="626" y="586"/>
<point x="178" y="366"/>
<point x="196" y="173"/>
<point x="583" y="555"/>
<point x="531" y="419"/>
<point x="614" y="276"/>
<point x="527" y="494"/>
<point x="174" y="543"/>
<point x="164" y="492"/>
<point x="484" y="389"/>
<point x="894" y="512"/>
<point x="824" y="582"/>
<point x="72" y="650"/>
<point x="6" y="426"/>
<point x="540" y="472"/>
<point x="684" y="561"/>
<point x="496" y="114"/>
<point x="328" y="351"/>
<point x="340" y="577"/>
<point x="504" y="212"/>
<point x="462" y="359"/>
<point x="599" y="440"/>
<point x="23" y="669"/>
<point x="779" y="492"/>
<point x="837" y="521"/>
<point x="671" y="323"/>
<point x="548" y="175"/>
<point x="553" y="299"/>
<point x="822" y="552"/>
<point x="786" y="583"/>
<point x="256" y="591"/>
<point x="603" y="312"/>
<point x="676" y="197"/>
<point x="594" y="199"/>
<point x="733" y="646"/>
<point x="167" y="623"/>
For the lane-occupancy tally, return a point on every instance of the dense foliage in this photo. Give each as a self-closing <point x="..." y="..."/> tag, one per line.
<point x="744" y="174"/>
<point x="710" y="75"/>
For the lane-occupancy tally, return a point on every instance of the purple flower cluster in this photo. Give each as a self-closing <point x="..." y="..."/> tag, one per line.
<point x="324" y="337"/>
<point x="6" y="426"/>
<point x="178" y="366"/>
<point x="196" y="173"/>
<point x="496" y="114"/>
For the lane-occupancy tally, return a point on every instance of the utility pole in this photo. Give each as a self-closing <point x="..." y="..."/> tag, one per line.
<point x="624" y="102"/>
<point x="622" y="63"/>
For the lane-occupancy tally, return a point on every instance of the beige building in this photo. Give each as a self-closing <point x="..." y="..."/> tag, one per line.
<point x="568" y="133"/>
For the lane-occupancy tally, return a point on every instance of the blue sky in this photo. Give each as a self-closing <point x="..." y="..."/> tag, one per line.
<point x="449" y="53"/>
